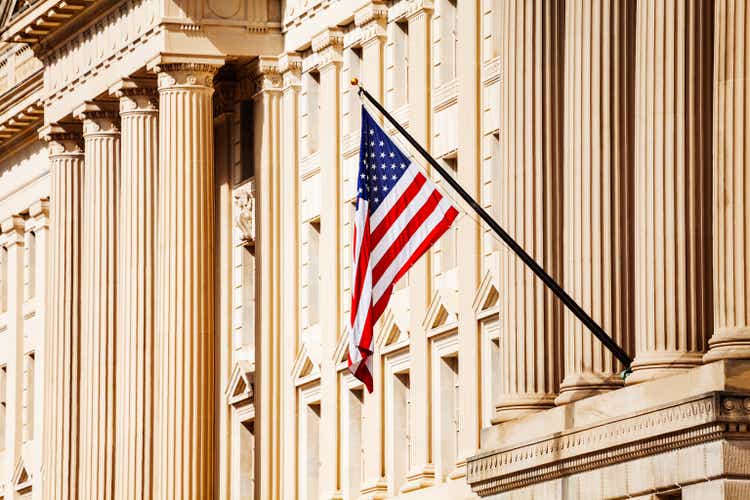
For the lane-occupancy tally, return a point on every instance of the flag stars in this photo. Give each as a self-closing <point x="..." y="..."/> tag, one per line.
<point x="381" y="144"/>
<point x="372" y="131"/>
<point x="403" y="166"/>
<point x="393" y="154"/>
<point x="382" y="155"/>
<point x="385" y="177"/>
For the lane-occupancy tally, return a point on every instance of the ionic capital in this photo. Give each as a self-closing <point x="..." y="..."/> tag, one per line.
<point x="98" y="117"/>
<point x="290" y="67"/>
<point x="261" y="76"/>
<point x="137" y="95"/>
<point x="13" y="229"/>
<point x="329" y="46"/>
<point x="371" y="20"/>
<point x="179" y="73"/>
<point x="63" y="138"/>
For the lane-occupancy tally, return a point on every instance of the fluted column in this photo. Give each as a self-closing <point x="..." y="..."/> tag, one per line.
<point x="266" y="106"/>
<point x="672" y="223"/>
<point x="731" y="190"/>
<point x="598" y="190"/>
<point x="62" y="330"/>
<point x="329" y="45"/>
<point x="101" y="136"/>
<point x="290" y="67"/>
<point x="135" y="290"/>
<point x="184" y="342"/>
<point x="531" y="207"/>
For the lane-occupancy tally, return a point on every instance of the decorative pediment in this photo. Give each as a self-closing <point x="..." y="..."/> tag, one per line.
<point x="487" y="296"/>
<point x="21" y="479"/>
<point x="304" y="369"/>
<point x="392" y="331"/>
<point x="443" y="310"/>
<point x="241" y="387"/>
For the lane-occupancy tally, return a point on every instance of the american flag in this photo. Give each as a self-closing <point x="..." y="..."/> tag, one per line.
<point x="399" y="215"/>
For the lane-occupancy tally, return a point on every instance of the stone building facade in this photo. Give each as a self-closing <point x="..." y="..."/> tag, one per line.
<point x="176" y="205"/>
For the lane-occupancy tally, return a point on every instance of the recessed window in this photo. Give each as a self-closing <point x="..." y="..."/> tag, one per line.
<point x="448" y="41"/>
<point x="312" y="277"/>
<point x="28" y="397"/>
<point x="311" y="110"/>
<point x="399" y="66"/>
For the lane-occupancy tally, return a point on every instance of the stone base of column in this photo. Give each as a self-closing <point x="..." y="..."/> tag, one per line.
<point x="583" y="385"/>
<point x="515" y="406"/>
<point x="374" y="490"/>
<point x="419" y="477"/>
<point x="729" y="343"/>
<point x="662" y="364"/>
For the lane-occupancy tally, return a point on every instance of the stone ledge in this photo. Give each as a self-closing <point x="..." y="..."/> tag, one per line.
<point x="705" y="418"/>
<point x="708" y="403"/>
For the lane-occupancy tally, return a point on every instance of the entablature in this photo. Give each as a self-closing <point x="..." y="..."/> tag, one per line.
<point x="42" y="18"/>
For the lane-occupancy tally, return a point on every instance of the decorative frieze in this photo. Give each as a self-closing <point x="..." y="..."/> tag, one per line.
<point x="696" y="420"/>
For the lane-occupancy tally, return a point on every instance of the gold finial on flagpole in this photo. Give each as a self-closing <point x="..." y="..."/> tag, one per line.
<point x="355" y="81"/>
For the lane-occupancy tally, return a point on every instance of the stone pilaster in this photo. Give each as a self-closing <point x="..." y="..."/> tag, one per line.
<point x="329" y="45"/>
<point x="12" y="239"/>
<point x="290" y="67"/>
<point x="62" y="329"/>
<point x="371" y="20"/>
<point x="225" y="107"/>
<point x="468" y="264"/>
<point x="135" y="289"/>
<point x="267" y="104"/>
<point x="731" y="191"/>
<point x="598" y="190"/>
<point x="531" y="203"/>
<point x="101" y="136"/>
<point x="421" y="474"/>
<point x="184" y="431"/>
<point x="672" y="217"/>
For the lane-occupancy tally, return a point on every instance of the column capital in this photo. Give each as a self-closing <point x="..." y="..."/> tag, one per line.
<point x="328" y="45"/>
<point x="290" y="67"/>
<point x="136" y="95"/>
<point x="183" y="72"/>
<point x="371" y="20"/>
<point x="416" y="9"/>
<point x="98" y="117"/>
<point x="63" y="138"/>
<point x="38" y="215"/>
<point x="13" y="230"/>
<point x="263" y="76"/>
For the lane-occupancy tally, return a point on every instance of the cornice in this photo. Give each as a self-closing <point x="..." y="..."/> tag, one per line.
<point x="698" y="419"/>
<point x="21" y="107"/>
<point x="329" y="46"/>
<point x="43" y="19"/>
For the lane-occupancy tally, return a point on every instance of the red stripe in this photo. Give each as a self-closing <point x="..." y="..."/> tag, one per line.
<point x="361" y="271"/>
<point x="435" y="234"/>
<point x="403" y="238"/>
<point x="401" y="203"/>
<point x="363" y="374"/>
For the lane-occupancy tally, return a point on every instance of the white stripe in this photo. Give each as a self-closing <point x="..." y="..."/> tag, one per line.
<point x="391" y="198"/>
<point x="401" y="221"/>
<point x="403" y="257"/>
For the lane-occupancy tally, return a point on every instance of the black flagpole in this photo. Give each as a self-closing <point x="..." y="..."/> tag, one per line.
<point x="561" y="294"/>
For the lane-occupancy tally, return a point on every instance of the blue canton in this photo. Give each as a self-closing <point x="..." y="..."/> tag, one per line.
<point x="381" y="163"/>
